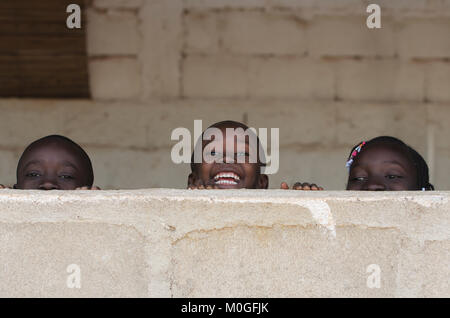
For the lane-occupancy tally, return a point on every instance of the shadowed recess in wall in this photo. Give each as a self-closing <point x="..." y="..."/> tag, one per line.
<point x="39" y="55"/>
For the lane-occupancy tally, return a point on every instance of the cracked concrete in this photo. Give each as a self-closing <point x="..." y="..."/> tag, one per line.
<point x="245" y="243"/>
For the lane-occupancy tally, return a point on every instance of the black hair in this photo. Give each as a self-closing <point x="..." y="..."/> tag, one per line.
<point x="84" y="155"/>
<point x="423" y="179"/>
<point x="228" y="123"/>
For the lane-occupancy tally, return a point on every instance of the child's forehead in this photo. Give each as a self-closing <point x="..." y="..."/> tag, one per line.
<point x="54" y="148"/>
<point x="384" y="150"/>
<point x="55" y="144"/>
<point x="229" y="127"/>
<point x="230" y="130"/>
<point x="231" y="139"/>
<point x="387" y="147"/>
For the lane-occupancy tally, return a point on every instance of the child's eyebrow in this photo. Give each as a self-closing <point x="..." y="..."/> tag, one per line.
<point x="32" y="162"/>
<point x="69" y="164"/>
<point x="393" y="162"/>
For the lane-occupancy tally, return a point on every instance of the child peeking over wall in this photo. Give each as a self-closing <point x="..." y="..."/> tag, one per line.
<point x="54" y="163"/>
<point x="231" y="158"/>
<point x="386" y="164"/>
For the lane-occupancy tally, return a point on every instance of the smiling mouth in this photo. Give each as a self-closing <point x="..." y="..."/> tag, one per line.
<point x="228" y="178"/>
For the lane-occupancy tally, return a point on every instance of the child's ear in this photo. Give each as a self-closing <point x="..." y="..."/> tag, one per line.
<point x="263" y="181"/>
<point x="192" y="178"/>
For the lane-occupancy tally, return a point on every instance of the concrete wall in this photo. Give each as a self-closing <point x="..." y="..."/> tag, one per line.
<point x="193" y="243"/>
<point x="311" y="68"/>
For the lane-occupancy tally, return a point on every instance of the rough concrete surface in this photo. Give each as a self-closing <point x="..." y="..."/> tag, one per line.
<point x="224" y="243"/>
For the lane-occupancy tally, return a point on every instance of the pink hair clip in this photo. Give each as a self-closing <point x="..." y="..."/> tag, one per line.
<point x="354" y="154"/>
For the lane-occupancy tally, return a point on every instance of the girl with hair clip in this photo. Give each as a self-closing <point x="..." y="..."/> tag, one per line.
<point x="386" y="164"/>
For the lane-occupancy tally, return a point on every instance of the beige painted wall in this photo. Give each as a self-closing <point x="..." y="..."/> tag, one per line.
<point x="224" y="243"/>
<point x="310" y="68"/>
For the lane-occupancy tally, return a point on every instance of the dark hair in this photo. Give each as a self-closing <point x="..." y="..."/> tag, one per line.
<point x="84" y="155"/>
<point x="423" y="181"/>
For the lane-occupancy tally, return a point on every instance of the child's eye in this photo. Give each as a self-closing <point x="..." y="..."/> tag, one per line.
<point x="393" y="176"/>
<point x="213" y="156"/>
<point x="67" y="177"/>
<point x="33" y="174"/>
<point x="359" y="179"/>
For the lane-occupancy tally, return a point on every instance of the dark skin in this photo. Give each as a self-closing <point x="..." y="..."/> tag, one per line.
<point x="249" y="173"/>
<point x="222" y="175"/>
<point x="53" y="165"/>
<point x="382" y="167"/>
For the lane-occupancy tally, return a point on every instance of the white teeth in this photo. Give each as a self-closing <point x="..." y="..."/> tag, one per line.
<point x="226" y="175"/>
<point x="225" y="182"/>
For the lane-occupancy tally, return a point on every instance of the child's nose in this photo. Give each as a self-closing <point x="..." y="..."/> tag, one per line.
<point x="49" y="185"/>
<point x="376" y="185"/>
<point x="229" y="158"/>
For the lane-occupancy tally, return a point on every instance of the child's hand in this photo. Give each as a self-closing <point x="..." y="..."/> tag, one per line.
<point x="198" y="185"/>
<point x="301" y="186"/>
<point x="88" y="188"/>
